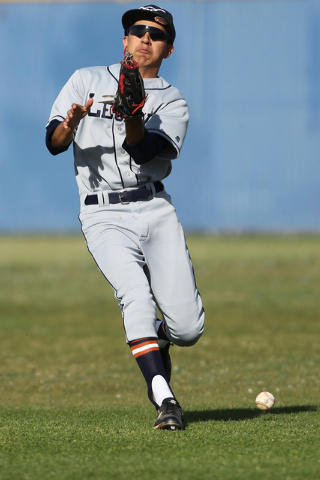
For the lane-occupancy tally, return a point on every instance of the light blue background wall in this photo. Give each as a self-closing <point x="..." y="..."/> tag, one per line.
<point x="250" y="72"/>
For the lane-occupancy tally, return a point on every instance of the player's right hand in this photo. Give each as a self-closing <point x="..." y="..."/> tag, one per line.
<point x="76" y="114"/>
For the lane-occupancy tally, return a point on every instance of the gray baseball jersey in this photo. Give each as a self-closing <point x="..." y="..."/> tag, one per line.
<point x="101" y="163"/>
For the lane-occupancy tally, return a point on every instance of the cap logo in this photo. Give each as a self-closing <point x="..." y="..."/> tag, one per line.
<point x="161" y="20"/>
<point x="152" y="9"/>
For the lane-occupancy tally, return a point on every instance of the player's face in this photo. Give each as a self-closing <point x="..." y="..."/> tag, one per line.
<point x="147" y="52"/>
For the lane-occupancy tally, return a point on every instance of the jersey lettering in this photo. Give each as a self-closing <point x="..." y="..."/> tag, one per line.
<point x="105" y="111"/>
<point x="98" y="112"/>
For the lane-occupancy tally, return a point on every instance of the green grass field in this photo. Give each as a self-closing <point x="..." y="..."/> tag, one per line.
<point x="73" y="404"/>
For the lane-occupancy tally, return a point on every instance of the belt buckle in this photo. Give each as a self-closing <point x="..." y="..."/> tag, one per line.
<point x="119" y="194"/>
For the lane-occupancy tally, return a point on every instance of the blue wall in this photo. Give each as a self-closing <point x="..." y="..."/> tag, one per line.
<point x="250" y="72"/>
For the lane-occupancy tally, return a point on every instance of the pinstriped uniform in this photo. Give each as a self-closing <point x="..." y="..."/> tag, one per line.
<point x="101" y="163"/>
<point x="139" y="247"/>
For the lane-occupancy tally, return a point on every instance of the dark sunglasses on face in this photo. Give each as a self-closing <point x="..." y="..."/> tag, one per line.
<point x="155" y="33"/>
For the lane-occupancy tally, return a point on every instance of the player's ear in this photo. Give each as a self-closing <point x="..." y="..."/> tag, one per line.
<point x="168" y="51"/>
<point x="125" y="43"/>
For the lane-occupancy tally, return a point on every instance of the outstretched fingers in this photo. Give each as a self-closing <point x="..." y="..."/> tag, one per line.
<point x="76" y="113"/>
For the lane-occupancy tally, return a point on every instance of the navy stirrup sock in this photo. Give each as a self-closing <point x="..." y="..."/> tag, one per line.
<point x="147" y="354"/>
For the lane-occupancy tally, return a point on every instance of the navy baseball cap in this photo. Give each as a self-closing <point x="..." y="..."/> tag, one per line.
<point x="150" y="12"/>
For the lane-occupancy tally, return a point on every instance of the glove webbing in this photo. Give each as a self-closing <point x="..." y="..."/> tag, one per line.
<point x="129" y="64"/>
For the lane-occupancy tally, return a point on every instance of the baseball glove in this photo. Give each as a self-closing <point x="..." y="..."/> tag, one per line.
<point x="130" y="97"/>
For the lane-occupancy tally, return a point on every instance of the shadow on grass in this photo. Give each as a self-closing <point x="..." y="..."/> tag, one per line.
<point x="238" y="414"/>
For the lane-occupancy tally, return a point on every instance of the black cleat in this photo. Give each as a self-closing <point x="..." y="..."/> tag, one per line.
<point x="170" y="416"/>
<point x="164" y="351"/>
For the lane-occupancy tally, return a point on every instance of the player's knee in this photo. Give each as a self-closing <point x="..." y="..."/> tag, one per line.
<point x="186" y="330"/>
<point x="187" y="339"/>
<point x="189" y="336"/>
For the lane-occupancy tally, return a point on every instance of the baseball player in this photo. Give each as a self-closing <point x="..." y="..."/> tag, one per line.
<point x="126" y="125"/>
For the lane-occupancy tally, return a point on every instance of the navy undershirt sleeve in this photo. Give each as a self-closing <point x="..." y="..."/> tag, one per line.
<point x="142" y="152"/>
<point x="149" y="147"/>
<point x="50" y="129"/>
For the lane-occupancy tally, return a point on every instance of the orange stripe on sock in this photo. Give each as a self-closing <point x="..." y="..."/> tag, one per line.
<point x="133" y="347"/>
<point x="151" y="349"/>
<point x="140" y="340"/>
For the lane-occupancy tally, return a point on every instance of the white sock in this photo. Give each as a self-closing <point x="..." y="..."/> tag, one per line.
<point x="160" y="389"/>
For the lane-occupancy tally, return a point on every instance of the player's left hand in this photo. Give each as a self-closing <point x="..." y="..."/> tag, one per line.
<point x="130" y="97"/>
<point x="76" y="114"/>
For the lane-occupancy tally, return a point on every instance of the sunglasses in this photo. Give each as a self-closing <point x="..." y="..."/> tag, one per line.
<point x="156" y="34"/>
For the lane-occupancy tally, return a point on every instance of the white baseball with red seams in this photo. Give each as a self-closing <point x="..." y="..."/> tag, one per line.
<point x="265" y="400"/>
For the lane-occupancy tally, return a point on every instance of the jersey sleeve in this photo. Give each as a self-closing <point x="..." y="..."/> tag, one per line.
<point x="72" y="92"/>
<point x="50" y="129"/>
<point x="170" y="120"/>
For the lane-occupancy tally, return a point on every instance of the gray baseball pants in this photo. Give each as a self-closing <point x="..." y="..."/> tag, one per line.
<point x="140" y="249"/>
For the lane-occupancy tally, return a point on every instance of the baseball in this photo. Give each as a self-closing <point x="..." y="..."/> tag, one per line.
<point x="265" y="400"/>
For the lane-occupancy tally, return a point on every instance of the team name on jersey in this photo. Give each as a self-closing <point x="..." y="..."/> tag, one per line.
<point x="105" y="112"/>
<point x="102" y="113"/>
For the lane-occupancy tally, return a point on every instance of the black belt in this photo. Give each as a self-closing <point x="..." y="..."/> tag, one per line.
<point x="126" y="196"/>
